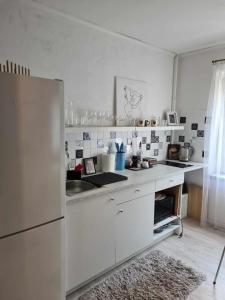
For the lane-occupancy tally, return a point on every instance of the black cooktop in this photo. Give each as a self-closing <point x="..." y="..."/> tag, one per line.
<point x="104" y="178"/>
<point x="174" y="164"/>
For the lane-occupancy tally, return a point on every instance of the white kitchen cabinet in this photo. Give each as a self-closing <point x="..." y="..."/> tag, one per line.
<point x="165" y="183"/>
<point x="109" y="229"/>
<point x="134" y="226"/>
<point x="133" y="192"/>
<point x="90" y="243"/>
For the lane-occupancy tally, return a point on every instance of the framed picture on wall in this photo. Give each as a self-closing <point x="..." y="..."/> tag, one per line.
<point x="172" y="118"/>
<point x="131" y="98"/>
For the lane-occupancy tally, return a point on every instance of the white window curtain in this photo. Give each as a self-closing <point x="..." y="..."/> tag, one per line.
<point x="214" y="174"/>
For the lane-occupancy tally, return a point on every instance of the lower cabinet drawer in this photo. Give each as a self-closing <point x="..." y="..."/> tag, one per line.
<point x="168" y="182"/>
<point x="133" y="193"/>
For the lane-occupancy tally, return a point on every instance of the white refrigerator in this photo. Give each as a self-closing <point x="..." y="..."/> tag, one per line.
<point x="31" y="188"/>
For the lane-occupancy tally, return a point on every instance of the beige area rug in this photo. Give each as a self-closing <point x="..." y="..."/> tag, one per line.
<point x="153" y="276"/>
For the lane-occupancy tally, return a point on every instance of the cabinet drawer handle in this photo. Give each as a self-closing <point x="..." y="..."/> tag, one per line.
<point x="120" y="212"/>
<point x="111" y="199"/>
<point x="137" y="191"/>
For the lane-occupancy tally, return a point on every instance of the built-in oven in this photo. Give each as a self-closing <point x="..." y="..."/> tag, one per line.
<point x="164" y="207"/>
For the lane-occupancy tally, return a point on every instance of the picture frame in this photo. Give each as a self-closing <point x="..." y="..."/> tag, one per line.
<point x="131" y="100"/>
<point x="89" y="166"/>
<point x="172" y="118"/>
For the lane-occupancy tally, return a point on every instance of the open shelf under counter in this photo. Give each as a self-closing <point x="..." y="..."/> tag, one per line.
<point x="124" y="128"/>
<point x="165" y="222"/>
<point x="165" y="233"/>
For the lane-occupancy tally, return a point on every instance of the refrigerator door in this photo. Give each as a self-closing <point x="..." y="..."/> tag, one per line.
<point x="31" y="152"/>
<point x="32" y="264"/>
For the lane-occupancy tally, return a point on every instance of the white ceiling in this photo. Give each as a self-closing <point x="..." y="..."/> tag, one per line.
<point x="175" y="25"/>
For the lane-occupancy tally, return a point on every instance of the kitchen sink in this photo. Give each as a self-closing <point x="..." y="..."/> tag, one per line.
<point x="78" y="186"/>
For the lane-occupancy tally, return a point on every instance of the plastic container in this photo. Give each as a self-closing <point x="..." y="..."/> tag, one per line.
<point x="120" y="161"/>
<point x="108" y="162"/>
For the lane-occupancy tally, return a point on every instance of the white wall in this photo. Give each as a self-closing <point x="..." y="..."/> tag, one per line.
<point x="194" y="80"/>
<point x="87" y="58"/>
<point x="193" y="85"/>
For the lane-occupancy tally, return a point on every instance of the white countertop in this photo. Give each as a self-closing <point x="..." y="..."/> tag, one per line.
<point x="136" y="178"/>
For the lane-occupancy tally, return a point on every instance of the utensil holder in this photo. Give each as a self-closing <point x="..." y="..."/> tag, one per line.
<point x="120" y="161"/>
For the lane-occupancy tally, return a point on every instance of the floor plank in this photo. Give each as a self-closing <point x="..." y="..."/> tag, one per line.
<point x="201" y="248"/>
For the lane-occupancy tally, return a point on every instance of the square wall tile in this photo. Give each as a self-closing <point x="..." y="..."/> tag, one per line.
<point x="148" y="146"/>
<point x="168" y="139"/>
<point x="100" y="143"/>
<point x="154" y="146"/>
<point x="129" y="134"/>
<point x="87" y="152"/>
<point x="86" y="136"/>
<point x="94" y="152"/>
<point x="156" y="152"/>
<point x="155" y="139"/>
<point x="187" y="144"/>
<point x="194" y="126"/>
<point x="182" y="120"/>
<point x="200" y="133"/>
<point x="152" y="133"/>
<point x="106" y="134"/>
<point x="79" y="144"/>
<point x="134" y="134"/>
<point x="113" y="134"/>
<point x="161" y="146"/>
<point x="100" y="134"/>
<point x="129" y="141"/>
<point x="79" y="153"/>
<point x="181" y="138"/>
<point x="144" y="140"/>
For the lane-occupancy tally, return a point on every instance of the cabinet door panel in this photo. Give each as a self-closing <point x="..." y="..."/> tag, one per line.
<point x="134" y="226"/>
<point x="90" y="243"/>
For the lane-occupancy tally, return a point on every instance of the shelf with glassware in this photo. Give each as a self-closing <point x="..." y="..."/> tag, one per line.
<point x="104" y="119"/>
<point x="124" y="128"/>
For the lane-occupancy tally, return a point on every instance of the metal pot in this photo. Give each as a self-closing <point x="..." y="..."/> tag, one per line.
<point x="185" y="153"/>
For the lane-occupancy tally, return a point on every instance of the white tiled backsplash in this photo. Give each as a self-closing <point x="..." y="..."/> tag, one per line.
<point x="194" y="131"/>
<point x="94" y="140"/>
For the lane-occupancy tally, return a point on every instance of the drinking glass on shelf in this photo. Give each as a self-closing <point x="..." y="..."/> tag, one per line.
<point x="164" y="122"/>
<point x="84" y="118"/>
<point x="114" y="119"/>
<point x="99" y="118"/>
<point x="93" y="118"/>
<point x="110" y="118"/>
<point x="132" y="122"/>
<point x="103" y="118"/>
<point x="76" y="121"/>
<point x="69" y="114"/>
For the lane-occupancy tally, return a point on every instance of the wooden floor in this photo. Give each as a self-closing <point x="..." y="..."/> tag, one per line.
<point x="200" y="248"/>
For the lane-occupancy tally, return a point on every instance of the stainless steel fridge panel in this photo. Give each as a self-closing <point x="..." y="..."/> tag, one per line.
<point x="31" y="152"/>
<point x="32" y="264"/>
